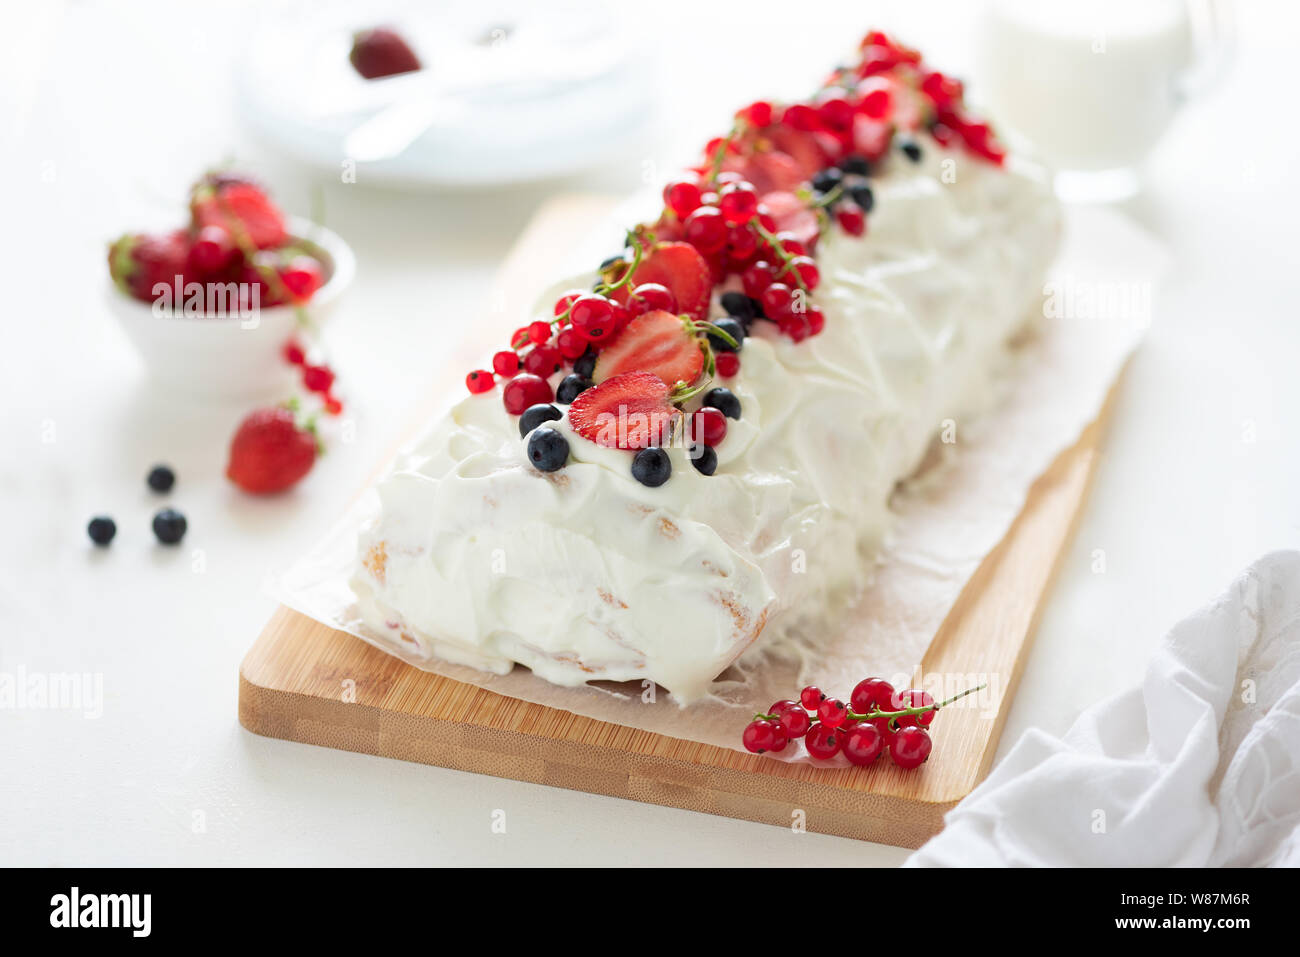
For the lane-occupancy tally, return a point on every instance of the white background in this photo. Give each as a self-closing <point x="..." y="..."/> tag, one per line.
<point x="109" y="109"/>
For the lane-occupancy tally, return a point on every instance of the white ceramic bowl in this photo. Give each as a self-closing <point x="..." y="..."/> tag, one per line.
<point x="230" y="356"/>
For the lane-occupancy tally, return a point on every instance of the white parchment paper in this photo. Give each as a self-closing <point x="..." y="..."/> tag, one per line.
<point x="1098" y="302"/>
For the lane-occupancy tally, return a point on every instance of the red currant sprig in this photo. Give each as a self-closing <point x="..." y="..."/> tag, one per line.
<point x="877" y="719"/>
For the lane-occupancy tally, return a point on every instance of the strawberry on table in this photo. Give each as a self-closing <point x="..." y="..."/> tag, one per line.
<point x="659" y="343"/>
<point x="271" y="451"/>
<point x="680" y="268"/>
<point x="629" y="411"/>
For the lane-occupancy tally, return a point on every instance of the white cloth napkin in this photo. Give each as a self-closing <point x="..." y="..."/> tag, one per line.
<point x="1198" y="767"/>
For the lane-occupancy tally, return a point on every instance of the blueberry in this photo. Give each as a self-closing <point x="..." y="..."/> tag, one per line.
<point x="161" y="478"/>
<point x="572" y="386"/>
<point x="704" y="459"/>
<point x="101" y="529"/>
<point x="651" y="467"/>
<point x="857" y="165"/>
<point x="548" y="450"/>
<point x="169" y="525"/>
<point x="863" y="196"/>
<point x="535" y="415"/>
<point x="610" y="262"/>
<point x="827" y="179"/>
<point x="911" y="149"/>
<point x="731" y="327"/>
<point x="585" y="364"/>
<point x="724" y="400"/>
<point x="739" y="305"/>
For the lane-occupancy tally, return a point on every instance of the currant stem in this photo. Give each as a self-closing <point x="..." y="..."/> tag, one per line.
<point x="604" y="288"/>
<point x="850" y="715"/>
<point x="781" y="254"/>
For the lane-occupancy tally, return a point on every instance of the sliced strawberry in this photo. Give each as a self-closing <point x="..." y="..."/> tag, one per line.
<point x="806" y="149"/>
<point x="871" y="137"/>
<point x="792" y="215"/>
<point x="683" y="270"/>
<point x="770" y="171"/>
<point x="657" y="342"/>
<point x="237" y="206"/>
<point x="629" y="411"/>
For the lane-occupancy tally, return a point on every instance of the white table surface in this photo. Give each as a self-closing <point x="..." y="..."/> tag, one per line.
<point x="109" y="109"/>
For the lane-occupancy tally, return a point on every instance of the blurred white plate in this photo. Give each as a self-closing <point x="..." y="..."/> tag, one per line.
<point x="509" y="92"/>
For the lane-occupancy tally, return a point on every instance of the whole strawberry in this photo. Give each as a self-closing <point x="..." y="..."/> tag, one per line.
<point x="271" y="451"/>
<point x="382" y="52"/>
<point x="240" y="207"/>
<point x="139" y="261"/>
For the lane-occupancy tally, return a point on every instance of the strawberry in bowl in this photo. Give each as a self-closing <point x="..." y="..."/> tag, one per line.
<point x="209" y="306"/>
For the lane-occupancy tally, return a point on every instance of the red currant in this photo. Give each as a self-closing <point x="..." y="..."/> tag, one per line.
<point x="564" y="302"/>
<point x="519" y="338"/>
<point x="709" y="426"/>
<point x="480" y="380"/>
<point x="836" y="113"/>
<point x="822" y="742"/>
<point x="682" y="197"/>
<point x="851" y="219"/>
<point x="877" y="102"/>
<point x="742" y="243"/>
<point x="592" y="317"/>
<point x="800" y="116"/>
<point x="912" y="698"/>
<point x="570" y="344"/>
<point x="791" y="243"/>
<point x="727" y="363"/>
<point x="863" y="744"/>
<point x="302" y="277"/>
<point x="332" y="405"/>
<point x="738" y="202"/>
<point x="805" y="268"/>
<point x="816" y="320"/>
<point x="505" y="363"/>
<point x="543" y="361"/>
<point x="650" y="296"/>
<point x="756" y="278"/>
<point x="811" y="697"/>
<point x="910" y="747"/>
<point x="317" y="378"/>
<point x="525" y="390"/>
<point x="794" y="325"/>
<point x="764" y="735"/>
<point x="793" y="718"/>
<point x="539" y="332"/>
<point x="294" y="353"/>
<point x="832" y="712"/>
<point x="706" y="229"/>
<point x="777" y="300"/>
<point x="872" y="693"/>
<point x="757" y="114"/>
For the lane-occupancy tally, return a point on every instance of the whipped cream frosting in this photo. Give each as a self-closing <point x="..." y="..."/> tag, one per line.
<point x="584" y="574"/>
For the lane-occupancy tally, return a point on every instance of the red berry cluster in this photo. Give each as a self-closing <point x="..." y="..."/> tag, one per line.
<point x="876" y="719"/>
<point x="236" y="234"/>
<point x="753" y="210"/>
<point x="316" y="377"/>
<point x="582" y="321"/>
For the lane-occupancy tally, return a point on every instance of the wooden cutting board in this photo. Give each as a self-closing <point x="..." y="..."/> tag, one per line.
<point x="292" y="682"/>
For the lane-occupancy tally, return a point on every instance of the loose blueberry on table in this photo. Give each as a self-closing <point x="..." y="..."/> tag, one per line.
<point x="744" y="224"/>
<point x="876" y="719"/>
